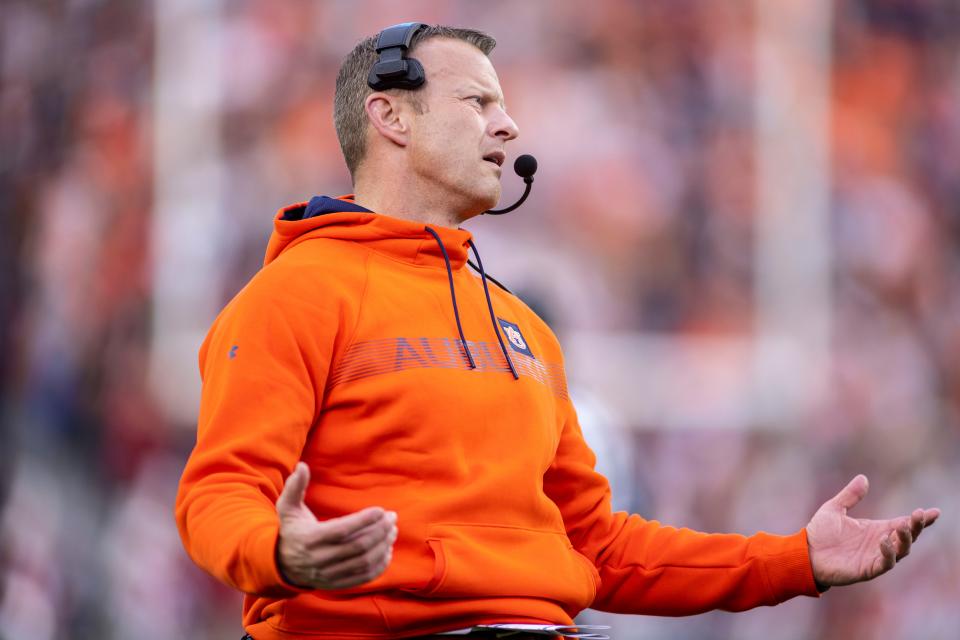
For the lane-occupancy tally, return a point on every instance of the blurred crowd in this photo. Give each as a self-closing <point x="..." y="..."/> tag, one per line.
<point x="642" y="116"/>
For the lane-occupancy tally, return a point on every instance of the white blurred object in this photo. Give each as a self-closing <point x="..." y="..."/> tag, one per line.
<point x="149" y="595"/>
<point x="188" y="218"/>
<point x="793" y="281"/>
<point x="34" y="580"/>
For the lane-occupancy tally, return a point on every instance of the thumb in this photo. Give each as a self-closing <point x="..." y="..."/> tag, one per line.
<point x="291" y="498"/>
<point x="853" y="493"/>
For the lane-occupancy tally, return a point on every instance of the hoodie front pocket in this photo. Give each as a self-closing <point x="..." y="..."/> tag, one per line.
<point x="472" y="560"/>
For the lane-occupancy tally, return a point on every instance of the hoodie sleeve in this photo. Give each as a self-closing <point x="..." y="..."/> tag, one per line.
<point x="264" y="365"/>
<point x="649" y="568"/>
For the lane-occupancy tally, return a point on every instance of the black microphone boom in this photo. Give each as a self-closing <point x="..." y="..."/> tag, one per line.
<point x="525" y="166"/>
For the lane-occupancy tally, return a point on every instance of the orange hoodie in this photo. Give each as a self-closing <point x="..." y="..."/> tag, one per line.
<point x="345" y="351"/>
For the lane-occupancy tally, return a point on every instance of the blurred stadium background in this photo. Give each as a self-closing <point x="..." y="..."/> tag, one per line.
<point x="745" y="229"/>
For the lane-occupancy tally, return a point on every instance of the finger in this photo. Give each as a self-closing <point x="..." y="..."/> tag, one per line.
<point x="364" y="562"/>
<point x="377" y="530"/>
<point x="358" y="578"/>
<point x="342" y="528"/>
<point x="389" y="520"/>
<point x="853" y="493"/>
<point x="295" y="489"/>
<point x="904" y="540"/>
<point x="927" y="518"/>
<point x="916" y="523"/>
<point x="328" y="552"/>
<point x="887" y="553"/>
<point x="333" y="553"/>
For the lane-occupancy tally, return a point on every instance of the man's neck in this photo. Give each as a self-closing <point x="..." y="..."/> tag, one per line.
<point x="398" y="206"/>
<point x="407" y="200"/>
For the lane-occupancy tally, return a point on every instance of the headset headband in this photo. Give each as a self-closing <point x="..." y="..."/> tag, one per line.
<point x="394" y="70"/>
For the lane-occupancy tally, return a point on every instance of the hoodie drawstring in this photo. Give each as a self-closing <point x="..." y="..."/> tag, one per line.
<point x="453" y="296"/>
<point x="493" y="318"/>
<point x="456" y="311"/>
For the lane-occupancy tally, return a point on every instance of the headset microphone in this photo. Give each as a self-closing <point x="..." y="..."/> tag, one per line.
<point x="525" y="166"/>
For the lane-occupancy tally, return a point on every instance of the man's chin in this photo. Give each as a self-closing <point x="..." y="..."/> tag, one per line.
<point x="479" y="204"/>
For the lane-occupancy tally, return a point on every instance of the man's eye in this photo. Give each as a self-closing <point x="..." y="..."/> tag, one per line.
<point x="478" y="99"/>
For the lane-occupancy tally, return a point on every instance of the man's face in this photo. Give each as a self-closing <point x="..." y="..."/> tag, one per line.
<point x="457" y="143"/>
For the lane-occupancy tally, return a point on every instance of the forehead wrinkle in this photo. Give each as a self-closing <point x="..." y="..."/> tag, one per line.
<point x="460" y="64"/>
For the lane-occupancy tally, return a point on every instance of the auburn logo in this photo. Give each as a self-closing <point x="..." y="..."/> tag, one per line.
<point x="515" y="337"/>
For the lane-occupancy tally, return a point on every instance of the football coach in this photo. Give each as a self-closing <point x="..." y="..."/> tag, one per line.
<point x="386" y="445"/>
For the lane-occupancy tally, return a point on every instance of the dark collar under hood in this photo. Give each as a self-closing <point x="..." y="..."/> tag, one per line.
<point x="320" y="205"/>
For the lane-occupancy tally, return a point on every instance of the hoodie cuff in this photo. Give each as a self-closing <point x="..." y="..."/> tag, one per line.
<point x="266" y="569"/>
<point x="788" y="567"/>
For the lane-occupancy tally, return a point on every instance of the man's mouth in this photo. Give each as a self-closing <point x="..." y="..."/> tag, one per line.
<point x="497" y="157"/>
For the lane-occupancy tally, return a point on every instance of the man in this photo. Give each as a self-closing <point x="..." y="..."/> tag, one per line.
<point x="386" y="447"/>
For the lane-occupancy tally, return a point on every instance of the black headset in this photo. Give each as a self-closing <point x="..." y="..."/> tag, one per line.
<point x="394" y="70"/>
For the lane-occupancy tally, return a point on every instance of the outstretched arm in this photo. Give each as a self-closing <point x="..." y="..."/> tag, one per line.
<point x="652" y="569"/>
<point x="844" y="550"/>
<point x="649" y="568"/>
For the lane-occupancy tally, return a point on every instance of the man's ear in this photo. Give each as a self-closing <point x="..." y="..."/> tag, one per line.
<point x="388" y="117"/>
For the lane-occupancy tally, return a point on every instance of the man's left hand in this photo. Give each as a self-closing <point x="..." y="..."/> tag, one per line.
<point x="844" y="550"/>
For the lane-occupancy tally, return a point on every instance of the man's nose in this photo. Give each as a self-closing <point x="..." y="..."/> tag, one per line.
<point x="504" y="127"/>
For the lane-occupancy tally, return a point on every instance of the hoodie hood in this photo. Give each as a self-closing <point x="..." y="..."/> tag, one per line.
<point x="404" y="240"/>
<point x="342" y="219"/>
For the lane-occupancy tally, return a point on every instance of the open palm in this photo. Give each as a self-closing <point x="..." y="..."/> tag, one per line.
<point x="844" y="550"/>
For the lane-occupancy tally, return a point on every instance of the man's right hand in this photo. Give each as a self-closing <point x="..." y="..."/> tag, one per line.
<point x="333" y="554"/>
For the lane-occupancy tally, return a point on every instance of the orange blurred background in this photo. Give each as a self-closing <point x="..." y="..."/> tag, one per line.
<point x="745" y="229"/>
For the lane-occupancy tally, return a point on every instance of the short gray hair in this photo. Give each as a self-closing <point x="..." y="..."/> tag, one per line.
<point x="349" y="115"/>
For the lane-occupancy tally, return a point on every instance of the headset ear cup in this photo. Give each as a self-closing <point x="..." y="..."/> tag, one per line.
<point x="415" y="75"/>
<point x="413" y="78"/>
<point x="373" y="79"/>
